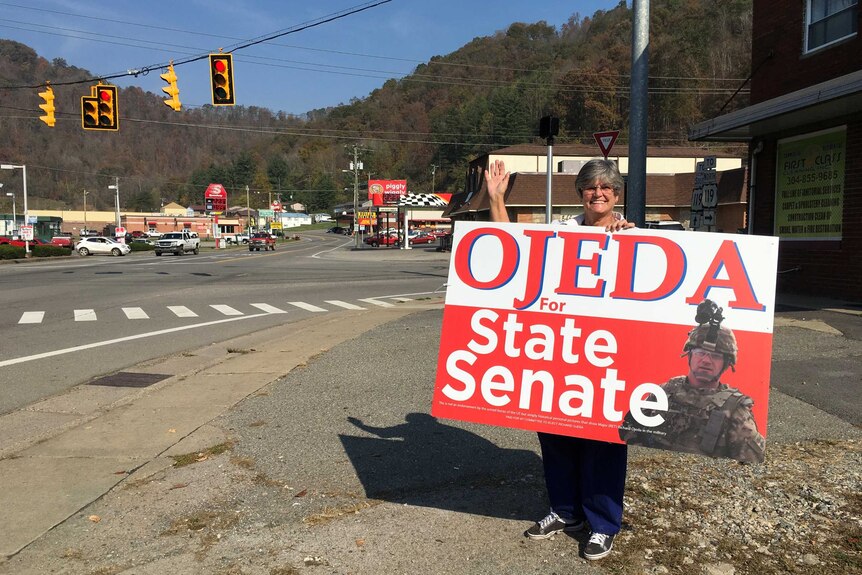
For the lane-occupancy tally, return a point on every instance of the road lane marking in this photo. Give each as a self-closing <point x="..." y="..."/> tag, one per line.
<point x="267" y="308"/>
<point x="85" y="315"/>
<point x="182" y="311"/>
<point x="403" y="299"/>
<point x="338" y="247"/>
<point x="32" y="317"/>
<point x="306" y="306"/>
<point x="135" y="313"/>
<point x="226" y="309"/>
<point x="96" y="344"/>
<point x="343" y="304"/>
<point x="373" y="301"/>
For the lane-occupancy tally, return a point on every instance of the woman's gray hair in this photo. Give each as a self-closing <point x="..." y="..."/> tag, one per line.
<point x="604" y="171"/>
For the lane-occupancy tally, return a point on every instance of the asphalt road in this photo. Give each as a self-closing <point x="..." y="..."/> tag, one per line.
<point x="67" y="321"/>
<point x="817" y="357"/>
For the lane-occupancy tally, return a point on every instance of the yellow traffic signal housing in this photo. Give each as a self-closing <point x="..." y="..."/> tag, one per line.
<point x="221" y="76"/>
<point x="100" y="110"/>
<point x="48" y="106"/>
<point x="171" y="89"/>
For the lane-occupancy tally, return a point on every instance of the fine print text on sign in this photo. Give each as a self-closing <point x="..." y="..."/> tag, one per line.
<point x="574" y="331"/>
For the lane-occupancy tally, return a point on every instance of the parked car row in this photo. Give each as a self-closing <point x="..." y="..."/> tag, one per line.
<point x="393" y="238"/>
<point x="18" y="242"/>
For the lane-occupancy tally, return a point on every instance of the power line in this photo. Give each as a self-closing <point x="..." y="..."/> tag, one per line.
<point x="234" y="48"/>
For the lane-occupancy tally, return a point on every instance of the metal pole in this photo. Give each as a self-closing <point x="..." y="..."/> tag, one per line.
<point x="548" y="200"/>
<point x="636" y="189"/>
<point x="355" y="196"/>
<point x="85" y="210"/>
<point x="26" y="212"/>
<point x="247" y="211"/>
<point x="14" y="213"/>
<point x="116" y="187"/>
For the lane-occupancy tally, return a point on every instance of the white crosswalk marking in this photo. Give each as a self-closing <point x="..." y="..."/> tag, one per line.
<point x="371" y="300"/>
<point x="35" y="317"/>
<point x="182" y="311"/>
<point x="343" y="304"/>
<point x="306" y="306"/>
<point x="85" y="315"/>
<point x="267" y="308"/>
<point x="226" y="309"/>
<point x="135" y="313"/>
<point x="32" y="317"/>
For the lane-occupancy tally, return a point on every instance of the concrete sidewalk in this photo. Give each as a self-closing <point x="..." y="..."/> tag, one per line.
<point x="59" y="455"/>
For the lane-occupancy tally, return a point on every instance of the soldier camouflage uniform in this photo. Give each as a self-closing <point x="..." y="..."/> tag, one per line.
<point x="716" y="422"/>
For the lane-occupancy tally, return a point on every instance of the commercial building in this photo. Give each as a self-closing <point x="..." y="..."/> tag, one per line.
<point x="803" y="128"/>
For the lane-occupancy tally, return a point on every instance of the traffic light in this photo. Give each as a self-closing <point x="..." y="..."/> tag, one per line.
<point x="171" y="89"/>
<point x="221" y="74"/>
<point x="99" y="110"/>
<point x="48" y="106"/>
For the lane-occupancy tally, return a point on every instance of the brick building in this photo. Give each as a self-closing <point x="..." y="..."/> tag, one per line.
<point x="804" y="131"/>
<point x="669" y="184"/>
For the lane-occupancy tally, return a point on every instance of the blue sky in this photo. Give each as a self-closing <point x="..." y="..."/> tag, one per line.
<point x="320" y="66"/>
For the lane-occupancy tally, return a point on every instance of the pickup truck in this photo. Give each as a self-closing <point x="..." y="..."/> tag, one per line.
<point x="261" y="240"/>
<point x="236" y="238"/>
<point x="64" y="241"/>
<point x="178" y="243"/>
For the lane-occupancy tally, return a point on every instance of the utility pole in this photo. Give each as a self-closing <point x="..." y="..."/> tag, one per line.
<point x="355" y="167"/>
<point x="433" y="172"/>
<point x="247" y="211"/>
<point x="635" y="210"/>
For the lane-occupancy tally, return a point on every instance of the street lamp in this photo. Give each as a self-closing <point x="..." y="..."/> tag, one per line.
<point x="85" y="211"/>
<point x="14" y="211"/>
<point x="116" y="188"/>
<point x="26" y="212"/>
<point x="247" y="213"/>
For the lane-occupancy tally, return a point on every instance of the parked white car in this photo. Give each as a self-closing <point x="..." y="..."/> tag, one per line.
<point x="101" y="245"/>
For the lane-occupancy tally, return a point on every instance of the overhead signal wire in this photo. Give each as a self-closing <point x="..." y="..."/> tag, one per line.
<point x="416" y="77"/>
<point x="236" y="47"/>
<point x="342" y="52"/>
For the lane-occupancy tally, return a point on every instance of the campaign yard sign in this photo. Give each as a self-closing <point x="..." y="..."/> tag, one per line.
<point x="570" y="330"/>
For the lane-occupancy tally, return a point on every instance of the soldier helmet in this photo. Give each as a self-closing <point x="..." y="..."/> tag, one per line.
<point x="710" y="334"/>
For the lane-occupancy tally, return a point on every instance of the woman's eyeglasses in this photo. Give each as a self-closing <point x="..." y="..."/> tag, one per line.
<point x="603" y="188"/>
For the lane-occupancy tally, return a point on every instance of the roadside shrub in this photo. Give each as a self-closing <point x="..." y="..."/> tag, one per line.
<point x="50" y="251"/>
<point x="8" y="252"/>
<point x="141" y="247"/>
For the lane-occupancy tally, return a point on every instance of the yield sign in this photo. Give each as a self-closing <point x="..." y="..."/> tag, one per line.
<point x="606" y="140"/>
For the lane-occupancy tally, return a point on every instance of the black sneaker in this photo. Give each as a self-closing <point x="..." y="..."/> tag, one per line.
<point x="598" y="546"/>
<point x="551" y="525"/>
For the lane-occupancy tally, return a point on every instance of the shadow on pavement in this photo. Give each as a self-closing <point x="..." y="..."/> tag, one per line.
<point x="423" y="462"/>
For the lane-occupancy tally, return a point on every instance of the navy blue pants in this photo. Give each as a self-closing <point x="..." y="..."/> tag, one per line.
<point x="585" y="479"/>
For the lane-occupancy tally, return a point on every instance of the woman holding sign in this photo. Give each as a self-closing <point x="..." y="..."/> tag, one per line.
<point x="585" y="478"/>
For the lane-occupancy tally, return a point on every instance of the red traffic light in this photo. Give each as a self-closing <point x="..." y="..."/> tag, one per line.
<point x="99" y="110"/>
<point x="221" y="79"/>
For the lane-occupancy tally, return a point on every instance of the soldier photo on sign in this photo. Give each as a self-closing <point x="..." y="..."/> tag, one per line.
<point x="704" y="416"/>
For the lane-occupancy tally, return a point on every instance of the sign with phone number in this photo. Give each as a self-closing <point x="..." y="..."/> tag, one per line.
<point x="810" y="186"/>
